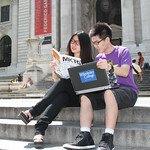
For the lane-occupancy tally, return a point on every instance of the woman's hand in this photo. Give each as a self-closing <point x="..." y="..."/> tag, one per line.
<point x="53" y="65"/>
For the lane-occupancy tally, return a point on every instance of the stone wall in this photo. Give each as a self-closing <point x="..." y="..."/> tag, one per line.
<point x="88" y="14"/>
<point x="68" y="17"/>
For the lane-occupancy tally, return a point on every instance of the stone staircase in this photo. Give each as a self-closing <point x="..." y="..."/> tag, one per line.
<point x="6" y="84"/>
<point x="12" y="90"/>
<point x="132" y="132"/>
<point x="145" y="84"/>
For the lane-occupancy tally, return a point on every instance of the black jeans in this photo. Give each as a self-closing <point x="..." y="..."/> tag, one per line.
<point x="60" y="95"/>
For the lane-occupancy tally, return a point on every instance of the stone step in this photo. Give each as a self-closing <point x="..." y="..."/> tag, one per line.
<point x="136" y="114"/>
<point x="7" y="78"/>
<point x="145" y="84"/>
<point x="59" y="132"/>
<point x="8" y="86"/>
<point x="144" y="93"/>
<point x="10" y="108"/>
<point x="144" y="88"/>
<point x="24" y="145"/>
<point x="32" y="93"/>
<point x="40" y="94"/>
<point x="10" y="95"/>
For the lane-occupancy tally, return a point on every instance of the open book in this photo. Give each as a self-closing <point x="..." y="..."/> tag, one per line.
<point x="64" y="62"/>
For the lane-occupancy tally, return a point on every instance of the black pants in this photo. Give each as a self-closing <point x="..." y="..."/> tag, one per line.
<point x="60" y="95"/>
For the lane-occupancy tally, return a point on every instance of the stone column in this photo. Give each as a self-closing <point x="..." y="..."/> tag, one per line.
<point x="33" y="70"/>
<point x="76" y="15"/>
<point x="14" y="12"/>
<point x="87" y="14"/>
<point x="128" y="32"/>
<point x="32" y="41"/>
<point x="56" y="24"/>
<point x="66" y="23"/>
<point x="145" y="18"/>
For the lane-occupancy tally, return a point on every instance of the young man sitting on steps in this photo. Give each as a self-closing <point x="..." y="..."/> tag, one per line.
<point x="123" y="96"/>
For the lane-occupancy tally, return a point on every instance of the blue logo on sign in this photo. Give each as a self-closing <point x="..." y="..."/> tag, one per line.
<point x="88" y="76"/>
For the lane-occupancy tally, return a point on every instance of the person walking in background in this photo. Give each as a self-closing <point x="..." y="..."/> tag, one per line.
<point x="61" y="94"/>
<point x="137" y="72"/>
<point x="123" y="96"/>
<point x="140" y="60"/>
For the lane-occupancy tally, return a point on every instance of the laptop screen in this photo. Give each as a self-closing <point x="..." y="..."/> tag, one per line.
<point x="87" y="76"/>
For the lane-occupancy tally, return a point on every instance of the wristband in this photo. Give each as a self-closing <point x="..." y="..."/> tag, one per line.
<point x="112" y="67"/>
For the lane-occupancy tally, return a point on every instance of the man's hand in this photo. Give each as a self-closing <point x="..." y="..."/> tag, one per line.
<point x="103" y="64"/>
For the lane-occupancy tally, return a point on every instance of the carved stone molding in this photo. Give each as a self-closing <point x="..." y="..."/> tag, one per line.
<point x="14" y="1"/>
<point x="87" y="12"/>
<point x="30" y="40"/>
<point x="5" y="27"/>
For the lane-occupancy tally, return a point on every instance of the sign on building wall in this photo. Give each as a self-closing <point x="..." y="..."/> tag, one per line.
<point x="43" y="17"/>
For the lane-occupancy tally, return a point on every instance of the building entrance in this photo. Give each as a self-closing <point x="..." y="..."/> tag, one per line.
<point x="110" y="11"/>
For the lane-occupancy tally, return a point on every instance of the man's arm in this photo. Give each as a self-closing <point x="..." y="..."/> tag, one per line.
<point x="122" y="71"/>
<point x="119" y="71"/>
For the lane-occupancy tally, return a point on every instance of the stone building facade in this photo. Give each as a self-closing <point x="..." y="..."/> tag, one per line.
<point x="21" y="49"/>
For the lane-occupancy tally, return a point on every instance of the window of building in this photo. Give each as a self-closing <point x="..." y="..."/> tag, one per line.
<point x="5" y="51"/>
<point x="5" y="13"/>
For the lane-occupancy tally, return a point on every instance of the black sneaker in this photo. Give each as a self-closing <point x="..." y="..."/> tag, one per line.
<point x="106" y="142"/>
<point x="83" y="140"/>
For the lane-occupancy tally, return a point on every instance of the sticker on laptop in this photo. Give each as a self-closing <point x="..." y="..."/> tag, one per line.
<point x="87" y="76"/>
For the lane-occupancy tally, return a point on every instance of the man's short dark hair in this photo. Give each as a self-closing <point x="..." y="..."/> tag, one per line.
<point x="102" y="30"/>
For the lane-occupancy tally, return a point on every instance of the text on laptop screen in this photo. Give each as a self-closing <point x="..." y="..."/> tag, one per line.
<point x="87" y="76"/>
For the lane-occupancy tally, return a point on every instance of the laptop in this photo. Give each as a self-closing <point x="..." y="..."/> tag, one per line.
<point x="88" y="78"/>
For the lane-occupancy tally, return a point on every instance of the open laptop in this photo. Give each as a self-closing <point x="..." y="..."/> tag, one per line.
<point x="88" y="78"/>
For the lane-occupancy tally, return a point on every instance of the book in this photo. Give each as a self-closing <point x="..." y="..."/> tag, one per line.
<point x="64" y="62"/>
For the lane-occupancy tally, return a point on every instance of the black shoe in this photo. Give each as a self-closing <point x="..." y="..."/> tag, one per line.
<point x="83" y="140"/>
<point x="24" y="118"/>
<point x="106" y="142"/>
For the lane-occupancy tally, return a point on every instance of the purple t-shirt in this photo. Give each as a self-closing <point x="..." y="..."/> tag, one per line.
<point x="119" y="56"/>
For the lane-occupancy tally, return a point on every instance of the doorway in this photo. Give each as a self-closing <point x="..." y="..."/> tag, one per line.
<point x="109" y="11"/>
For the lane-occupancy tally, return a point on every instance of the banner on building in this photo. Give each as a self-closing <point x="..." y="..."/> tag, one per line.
<point x="43" y="17"/>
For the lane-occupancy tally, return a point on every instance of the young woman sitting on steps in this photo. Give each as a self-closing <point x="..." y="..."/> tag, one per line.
<point x="61" y="94"/>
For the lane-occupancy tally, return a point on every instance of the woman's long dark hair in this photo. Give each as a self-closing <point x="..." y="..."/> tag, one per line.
<point x="85" y="47"/>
